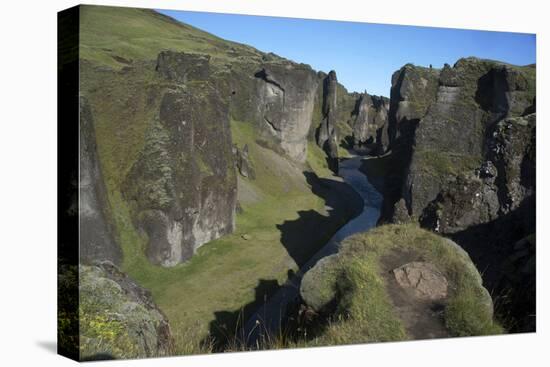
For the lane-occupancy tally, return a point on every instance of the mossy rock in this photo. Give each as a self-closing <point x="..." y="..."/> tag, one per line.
<point x="118" y="319"/>
<point x="318" y="285"/>
<point x="353" y="281"/>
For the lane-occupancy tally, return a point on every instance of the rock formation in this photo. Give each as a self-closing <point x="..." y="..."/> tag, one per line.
<point x="183" y="184"/>
<point x="471" y="98"/>
<point x="327" y="137"/>
<point x="370" y="128"/>
<point x="427" y="272"/>
<point x="463" y="155"/>
<point x="118" y="318"/>
<point x="286" y="93"/>
<point x="413" y="89"/>
<point x="243" y="162"/>
<point x="96" y="232"/>
<point x="423" y="279"/>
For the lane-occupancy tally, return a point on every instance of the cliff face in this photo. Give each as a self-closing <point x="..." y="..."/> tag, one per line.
<point x="165" y="170"/>
<point x="178" y="180"/>
<point x="183" y="184"/>
<point x="463" y="161"/>
<point x="286" y="93"/>
<point x="457" y="132"/>
<point x="370" y="128"/>
<point x="413" y="90"/>
<point x="96" y="233"/>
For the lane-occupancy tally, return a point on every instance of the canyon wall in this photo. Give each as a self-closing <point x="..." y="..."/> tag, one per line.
<point x="165" y="139"/>
<point x="463" y="164"/>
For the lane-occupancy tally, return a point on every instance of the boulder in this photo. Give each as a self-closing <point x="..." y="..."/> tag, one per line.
<point x="118" y="318"/>
<point x="424" y="279"/>
<point x="318" y="289"/>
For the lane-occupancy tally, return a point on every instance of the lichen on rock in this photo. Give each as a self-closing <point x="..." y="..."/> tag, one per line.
<point x="118" y="319"/>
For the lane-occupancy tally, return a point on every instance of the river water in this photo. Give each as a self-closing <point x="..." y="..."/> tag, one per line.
<point x="268" y="317"/>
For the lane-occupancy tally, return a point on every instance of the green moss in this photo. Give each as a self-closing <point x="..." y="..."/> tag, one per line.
<point x="203" y="166"/>
<point x="441" y="165"/>
<point x="316" y="159"/>
<point x="464" y="316"/>
<point x="153" y="184"/>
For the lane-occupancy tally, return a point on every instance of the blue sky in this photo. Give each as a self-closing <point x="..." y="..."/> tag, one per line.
<point x="364" y="55"/>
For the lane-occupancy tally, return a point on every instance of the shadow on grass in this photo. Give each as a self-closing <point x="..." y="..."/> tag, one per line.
<point x="302" y="238"/>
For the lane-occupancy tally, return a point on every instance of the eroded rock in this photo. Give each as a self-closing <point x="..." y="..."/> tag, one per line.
<point x="118" y="318"/>
<point x="183" y="184"/>
<point x="370" y="128"/>
<point x="424" y="279"/>
<point x="243" y="162"/>
<point x="318" y="285"/>
<point x="327" y="136"/>
<point x="96" y="232"/>
<point x="286" y="94"/>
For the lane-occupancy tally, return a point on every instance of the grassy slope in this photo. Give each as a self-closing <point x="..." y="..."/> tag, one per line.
<point x="139" y="34"/>
<point x="224" y="273"/>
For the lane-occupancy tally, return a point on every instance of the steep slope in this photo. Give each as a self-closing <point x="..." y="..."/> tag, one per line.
<point x="177" y="112"/>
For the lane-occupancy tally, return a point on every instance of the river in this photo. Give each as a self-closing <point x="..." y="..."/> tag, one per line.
<point x="270" y="314"/>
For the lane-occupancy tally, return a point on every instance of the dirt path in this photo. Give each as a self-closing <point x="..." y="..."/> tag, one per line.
<point x="422" y="319"/>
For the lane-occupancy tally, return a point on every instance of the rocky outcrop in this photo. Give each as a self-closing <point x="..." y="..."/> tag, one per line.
<point x="425" y="272"/>
<point x="118" y="318"/>
<point x="96" y="232"/>
<point x="243" y="162"/>
<point x="466" y="163"/>
<point x="183" y="185"/>
<point x="413" y="89"/>
<point x="317" y="288"/>
<point x="326" y="135"/>
<point x="498" y="187"/>
<point x="423" y="279"/>
<point x="286" y="94"/>
<point x="468" y="110"/>
<point x="182" y="67"/>
<point x="370" y="128"/>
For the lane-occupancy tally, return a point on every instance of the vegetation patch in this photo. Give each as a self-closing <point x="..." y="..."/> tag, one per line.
<point x="364" y="312"/>
<point x="445" y="164"/>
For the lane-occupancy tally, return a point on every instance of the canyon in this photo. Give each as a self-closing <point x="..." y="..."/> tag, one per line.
<point x="214" y="176"/>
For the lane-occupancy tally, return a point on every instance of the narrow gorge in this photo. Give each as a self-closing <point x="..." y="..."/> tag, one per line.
<point x="231" y="195"/>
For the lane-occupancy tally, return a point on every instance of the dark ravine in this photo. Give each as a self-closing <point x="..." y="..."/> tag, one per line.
<point x="267" y="319"/>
